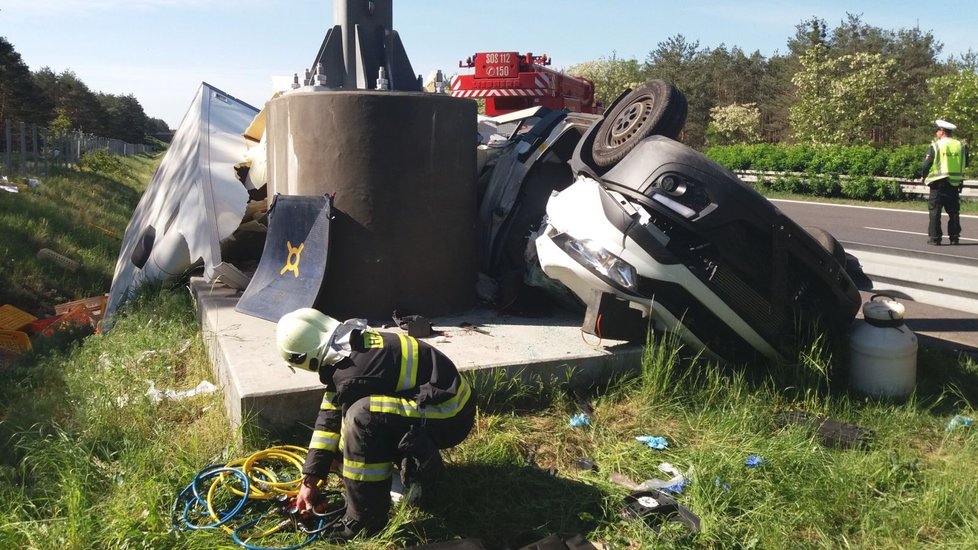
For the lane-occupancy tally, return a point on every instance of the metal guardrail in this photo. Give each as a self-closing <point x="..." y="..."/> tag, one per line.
<point x="29" y="149"/>
<point x="913" y="187"/>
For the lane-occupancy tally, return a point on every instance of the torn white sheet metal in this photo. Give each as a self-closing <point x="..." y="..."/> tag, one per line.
<point x="193" y="202"/>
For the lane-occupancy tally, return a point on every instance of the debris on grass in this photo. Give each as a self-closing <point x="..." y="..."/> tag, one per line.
<point x="157" y="395"/>
<point x="656" y="442"/>
<point x="15" y="341"/>
<point x="755" y="461"/>
<point x="58" y="259"/>
<point x="959" y="421"/>
<point x="655" y="508"/>
<point x="580" y="420"/>
<point x="676" y="485"/>
<point x="831" y="432"/>
<point x="12" y="318"/>
<point x="722" y="484"/>
<point x="587" y="464"/>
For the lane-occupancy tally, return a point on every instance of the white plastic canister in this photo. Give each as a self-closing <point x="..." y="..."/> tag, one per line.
<point x="882" y="350"/>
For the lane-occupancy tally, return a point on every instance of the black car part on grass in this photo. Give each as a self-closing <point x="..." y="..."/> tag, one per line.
<point x="655" y="508"/>
<point x="831" y="432"/>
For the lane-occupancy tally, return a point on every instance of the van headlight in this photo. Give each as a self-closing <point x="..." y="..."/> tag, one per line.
<point x="589" y="254"/>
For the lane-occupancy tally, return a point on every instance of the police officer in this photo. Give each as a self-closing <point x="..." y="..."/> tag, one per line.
<point x="389" y="399"/>
<point x="943" y="170"/>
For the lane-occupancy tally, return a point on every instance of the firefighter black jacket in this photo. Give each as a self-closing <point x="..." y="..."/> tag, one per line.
<point x="417" y="380"/>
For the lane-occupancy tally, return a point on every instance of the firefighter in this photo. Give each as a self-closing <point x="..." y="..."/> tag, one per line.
<point x="943" y="169"/>
<point x="390" y="402"/>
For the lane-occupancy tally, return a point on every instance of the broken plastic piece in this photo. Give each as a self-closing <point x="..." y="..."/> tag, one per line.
<point x="587" y="464"/>
<point x="653" y="441"/>
<point x="173" y="395"/>
<point x="231" y="276"/>
<point x="959" y="421"/>
<point x="580" y="420"/>
<point x="12" y="318"/>
<point x="93" y="306"/>
<point x="675" y="485"/>
<point x="14" y="341"/>
<point x="755" y="461"/>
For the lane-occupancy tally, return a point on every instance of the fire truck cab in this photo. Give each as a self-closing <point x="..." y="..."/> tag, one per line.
<point x="510" y="81"/>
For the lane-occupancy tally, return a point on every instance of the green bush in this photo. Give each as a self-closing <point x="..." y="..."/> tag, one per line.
<point x="888" y="191"/>
<point x="854" y="160"/>
<point x="824" y="186"/>
<point x="734" y="157"/>
<point x="797" y="157"/>
<point x="102" y="161"/>
<point x="768" y="157"/>
<point x="863" y="160"/>
<point x="904" y="161"/>
<point x="859" y="188"/>
<point x="788" y="184"/>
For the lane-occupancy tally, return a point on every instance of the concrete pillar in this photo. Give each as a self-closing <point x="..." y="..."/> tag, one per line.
<point x="402" y="168"/>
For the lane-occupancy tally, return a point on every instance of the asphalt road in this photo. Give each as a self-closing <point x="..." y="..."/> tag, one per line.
<point x="901" y="231"/>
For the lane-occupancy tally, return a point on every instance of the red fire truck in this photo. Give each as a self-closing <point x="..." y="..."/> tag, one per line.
<point x="509" y="81"/>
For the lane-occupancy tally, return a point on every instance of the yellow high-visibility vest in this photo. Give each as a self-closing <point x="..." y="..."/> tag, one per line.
<point x="948" y="162"/>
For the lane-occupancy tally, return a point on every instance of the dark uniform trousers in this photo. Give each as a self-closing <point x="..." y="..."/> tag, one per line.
<point x="393" y="400"/>
<point x="369" y="444"/>
<point x="946" y="196"/>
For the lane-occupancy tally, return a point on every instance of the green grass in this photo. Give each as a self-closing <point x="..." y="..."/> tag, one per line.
<point x="88" y="460"/>
<point x="79" y="214"/>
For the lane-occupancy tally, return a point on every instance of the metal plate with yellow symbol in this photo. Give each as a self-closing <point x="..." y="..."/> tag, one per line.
<point x="294" y="260"/>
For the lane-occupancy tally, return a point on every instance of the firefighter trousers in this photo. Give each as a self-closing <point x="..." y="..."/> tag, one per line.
<point x="370" y="443"/>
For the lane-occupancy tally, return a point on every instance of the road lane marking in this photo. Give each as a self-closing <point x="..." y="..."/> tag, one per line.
<point x="911" y="232"/>
<point x="924" y="212"/>
<point x="847" y="244"/>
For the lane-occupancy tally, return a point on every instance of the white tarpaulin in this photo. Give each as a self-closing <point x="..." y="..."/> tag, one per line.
<point x="194" y="200"/>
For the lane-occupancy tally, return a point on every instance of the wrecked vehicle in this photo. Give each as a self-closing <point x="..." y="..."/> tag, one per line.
<point x="654" y="231"/>
<point x="644" y="230"/>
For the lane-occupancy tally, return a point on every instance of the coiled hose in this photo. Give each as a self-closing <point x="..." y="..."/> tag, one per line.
<point x="253" y="498"/>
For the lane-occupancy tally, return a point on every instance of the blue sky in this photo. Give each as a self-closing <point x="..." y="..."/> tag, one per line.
<point x="160" y="50"/>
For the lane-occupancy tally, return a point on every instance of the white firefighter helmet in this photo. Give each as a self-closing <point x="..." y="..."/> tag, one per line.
<point x="304" y="337"/>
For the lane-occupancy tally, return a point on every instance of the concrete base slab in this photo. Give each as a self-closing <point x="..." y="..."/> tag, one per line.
<point x="258" y="388"/>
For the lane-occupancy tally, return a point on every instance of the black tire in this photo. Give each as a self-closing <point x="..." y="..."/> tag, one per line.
<point x="654" y="108"/>
<point x="829" y="243"/>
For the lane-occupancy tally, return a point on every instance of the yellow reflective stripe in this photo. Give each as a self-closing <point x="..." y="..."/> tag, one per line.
<point x="326" y="441"/>
<point x="329" y="402"/>
<point x="363" y="471"/>
<point x="372" y="340"/>
<point x="394" y="405"/>
<point x="410" y="409"/>
<point x="408" y="377"/>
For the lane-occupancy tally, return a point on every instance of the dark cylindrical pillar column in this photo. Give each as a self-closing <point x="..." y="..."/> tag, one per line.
<point x="402" y="168"/>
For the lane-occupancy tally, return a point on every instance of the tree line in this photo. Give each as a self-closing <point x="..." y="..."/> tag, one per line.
<point x="63" y="102"/>
<point x="852" y="84"/>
